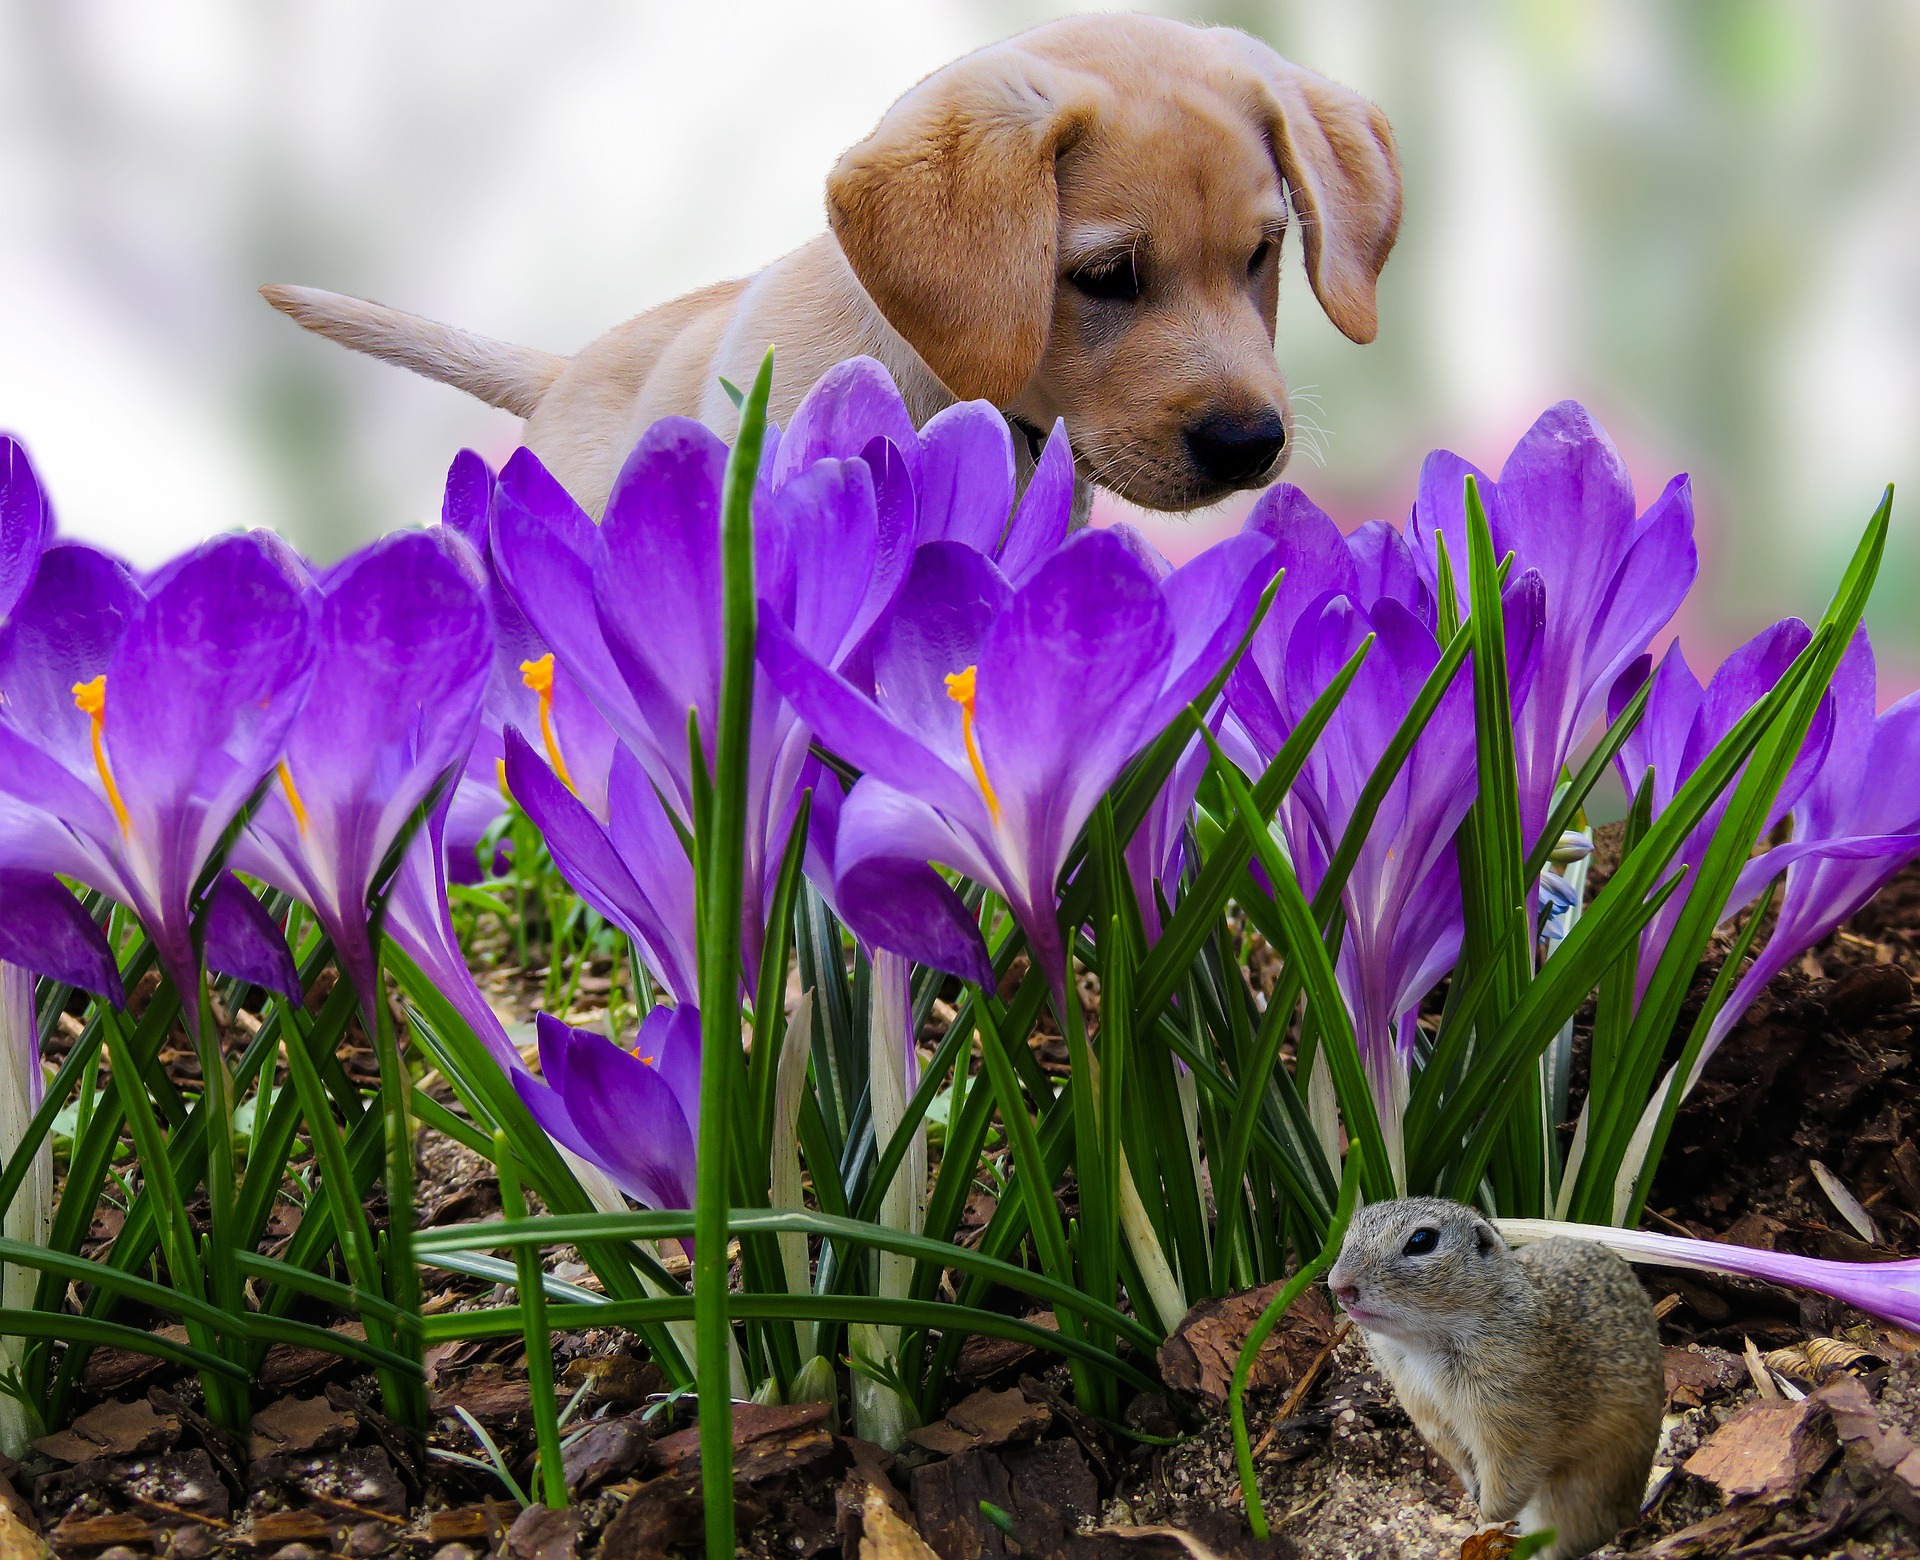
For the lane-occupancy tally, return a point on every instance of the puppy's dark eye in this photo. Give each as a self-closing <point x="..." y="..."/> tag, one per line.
<point x="1115" y="279"/>
<point x="1259" y="256"/>
<point x="1420" y="1242"/>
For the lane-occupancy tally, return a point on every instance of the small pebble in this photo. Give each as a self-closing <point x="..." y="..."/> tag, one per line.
<point x="191" y="1542"/>
<point x="367" y="1539"/>
<point x="453" y="1552"/>
<point x="296" y="1552"/>
<point x="118" y="1552"/>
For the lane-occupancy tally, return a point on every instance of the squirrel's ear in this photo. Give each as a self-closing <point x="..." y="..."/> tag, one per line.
<point x="1486" y="1239"/>
<point x="1334" y="152"/>
<point x="949" y="214"/>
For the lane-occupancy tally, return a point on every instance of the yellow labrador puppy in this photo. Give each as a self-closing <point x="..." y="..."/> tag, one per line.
<point x="1082" y="222"/>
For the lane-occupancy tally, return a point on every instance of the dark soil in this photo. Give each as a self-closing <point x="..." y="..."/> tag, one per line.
<point x="1821" y="1070"/>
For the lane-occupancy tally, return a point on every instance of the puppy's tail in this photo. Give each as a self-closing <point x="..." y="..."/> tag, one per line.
<point x="511" y="378"/>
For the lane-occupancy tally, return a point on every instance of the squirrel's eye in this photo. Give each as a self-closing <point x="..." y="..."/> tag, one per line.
<point x="1116" y="279"/>
<point x="1259" y="257"/>
<point x="1420" y="1242"/>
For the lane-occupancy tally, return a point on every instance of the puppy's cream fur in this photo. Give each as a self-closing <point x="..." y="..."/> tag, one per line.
<point x="1091" y="146"/>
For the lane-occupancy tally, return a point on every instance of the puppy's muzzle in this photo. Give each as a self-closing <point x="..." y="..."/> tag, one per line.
<point x="1236" y="449"/>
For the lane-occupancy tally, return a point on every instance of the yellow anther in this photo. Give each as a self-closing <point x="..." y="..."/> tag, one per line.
<point x="90" y="698"/>
<point x="500" y="778"/>
<point x="960" y="689"/>
<point x="293" y="795"/>
<point x="538" y="675"/>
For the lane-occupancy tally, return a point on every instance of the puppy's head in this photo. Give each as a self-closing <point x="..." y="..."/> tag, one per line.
<point x="1085" y="222"/>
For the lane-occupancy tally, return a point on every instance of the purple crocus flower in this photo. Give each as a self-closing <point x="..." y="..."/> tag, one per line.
<point x="1402" y="897"/>
<point x="136" y="725"/>
<point x="1888" y="1290"/>
<point x="404" y="646"/>
<point x="1682" y="723"/>
<point x="1855" y="826"/>
<point x="43" y="928"/>
<point x="830" y="555"/>
<point x="1001" y="716"/>
<point x="1564" y="507"/>
<point x="958" y="469"/>
<point x="634" y="1112"/>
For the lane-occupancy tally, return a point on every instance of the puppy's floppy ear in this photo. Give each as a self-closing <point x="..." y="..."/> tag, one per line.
<point x="949" y="214"/>
<point x="1335" y="154"/>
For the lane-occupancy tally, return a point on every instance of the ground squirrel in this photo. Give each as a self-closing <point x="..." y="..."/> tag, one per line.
<point x="1536" y="1373"/>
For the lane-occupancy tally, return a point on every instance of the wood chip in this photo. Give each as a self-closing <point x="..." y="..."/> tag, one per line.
<point x="1767" y="1452"/>
<point x="886" y="1535"/>
<point x="293" y="1425"/>
<point x="112" y="1430"/>
<point x="117" y="1527"/>
<point x="984" y="1419"/>
<point x="17" y="1540"/>
<point x="1890" y="1453"/>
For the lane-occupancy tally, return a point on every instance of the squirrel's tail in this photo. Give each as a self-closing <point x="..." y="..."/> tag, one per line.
<point x="511" y="378"/>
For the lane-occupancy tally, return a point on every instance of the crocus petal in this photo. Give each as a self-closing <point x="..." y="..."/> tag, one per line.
<point x="853" y="726"/>
<point x="907" y="907"/>
<point x="467" y="499"/>
<point x="1889" y="1290"/>
<point x="1066" y="686"/>
<point x="663" y="527"/>
<point x="418" y="921"/>
<point x="26" y="525"/>
<point x="671" y="1036"/>
<point x="1040" y="524"/>
<point x="629" y="1118"/>
<point x="644" y="834"/>
<point x="849" y="406"/>
<point x="543" y="548"/>
<point x="588" y="859"/>
<point x="201" y="691"/>
<point x="64" y="632"/>
<point x="1210" y="602"/>
<point x="242" y="941"/>
<point x="935" y="629"/>
<point x="966" y="477"/>
<point x="884" y="831"/>
<point x="43" y="928"/>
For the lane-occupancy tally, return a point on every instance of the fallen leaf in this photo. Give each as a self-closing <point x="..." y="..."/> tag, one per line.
<point x="1200" y="1356"/>
<point x="1767" y="1452"/>
<point x="1494" y="1544"/>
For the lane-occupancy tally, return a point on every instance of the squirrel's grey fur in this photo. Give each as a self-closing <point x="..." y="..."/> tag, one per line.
<point x="1535" y="1372"/>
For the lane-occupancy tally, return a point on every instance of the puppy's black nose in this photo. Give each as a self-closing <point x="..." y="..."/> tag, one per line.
<point x="1232" y="449"/>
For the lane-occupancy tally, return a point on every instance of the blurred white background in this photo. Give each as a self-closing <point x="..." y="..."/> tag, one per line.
<point x="1701" y="220"/>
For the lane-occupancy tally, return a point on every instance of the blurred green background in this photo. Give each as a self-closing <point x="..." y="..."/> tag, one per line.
<point x="1701" y="219"/>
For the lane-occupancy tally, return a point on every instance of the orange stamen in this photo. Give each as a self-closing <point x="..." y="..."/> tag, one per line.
<point x="90" y="698"/>
<point x="500" y="777"/>
<point x="538" y="675"/>
<point x="960" y="689"/>
<point x="293" y="795"/>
